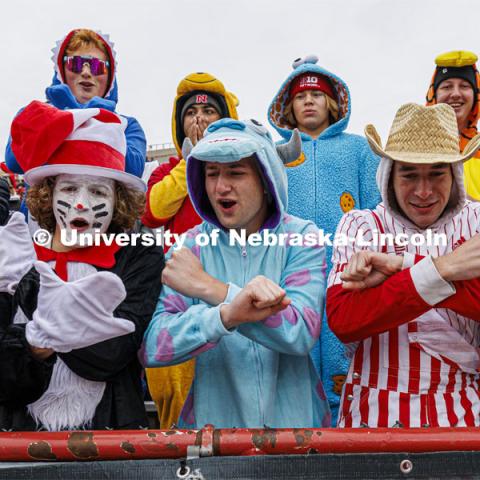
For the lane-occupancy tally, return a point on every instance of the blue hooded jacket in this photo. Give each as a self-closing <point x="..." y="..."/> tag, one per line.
<point x="259" y="373"/>
<point x="60" y="96"/>
<point x="338" y="174"/>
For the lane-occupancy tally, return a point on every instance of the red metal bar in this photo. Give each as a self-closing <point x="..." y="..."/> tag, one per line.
<point x="96" y="445"/>
<point x="346" y="440"/>
<point x="149" y="444"/>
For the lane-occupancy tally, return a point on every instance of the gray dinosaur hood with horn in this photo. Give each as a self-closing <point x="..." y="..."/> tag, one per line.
<point x="229" y="140"/>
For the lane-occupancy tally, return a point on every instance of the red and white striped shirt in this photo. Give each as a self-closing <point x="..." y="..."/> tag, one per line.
<point x="416" y="360"/>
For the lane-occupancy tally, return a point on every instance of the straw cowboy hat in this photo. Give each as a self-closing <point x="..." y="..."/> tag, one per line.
<point x="423" y="135"/>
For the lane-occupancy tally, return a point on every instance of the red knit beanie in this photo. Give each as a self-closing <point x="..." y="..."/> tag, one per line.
<point x="311" y="81"/>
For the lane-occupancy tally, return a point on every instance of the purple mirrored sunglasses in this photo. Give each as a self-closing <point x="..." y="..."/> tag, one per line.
<point x="75" y="64"/>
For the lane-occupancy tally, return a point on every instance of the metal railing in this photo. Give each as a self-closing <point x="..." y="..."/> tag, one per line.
<point x="209" y="441"/>
<point x="160" y="146"/>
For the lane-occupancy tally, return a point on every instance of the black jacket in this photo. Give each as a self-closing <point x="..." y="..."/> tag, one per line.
<point x="4" y="201"/>
<point x="23" y="379"/>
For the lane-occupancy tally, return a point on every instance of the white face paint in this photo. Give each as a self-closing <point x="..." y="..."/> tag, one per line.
<point x="83" y="203"/>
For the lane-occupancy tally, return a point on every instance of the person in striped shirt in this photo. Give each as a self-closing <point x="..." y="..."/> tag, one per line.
<point x="404" y="289"/>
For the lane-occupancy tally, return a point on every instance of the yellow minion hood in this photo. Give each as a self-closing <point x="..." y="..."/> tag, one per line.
<point x="200" y="82"/>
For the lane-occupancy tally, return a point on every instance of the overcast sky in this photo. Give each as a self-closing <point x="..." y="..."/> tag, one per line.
<point x="383" y="49"/>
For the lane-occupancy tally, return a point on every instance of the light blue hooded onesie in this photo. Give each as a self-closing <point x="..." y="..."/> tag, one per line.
<point x="259" y="373"/>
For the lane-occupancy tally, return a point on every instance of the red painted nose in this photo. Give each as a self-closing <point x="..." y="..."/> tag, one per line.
<point x="79" y="206"/>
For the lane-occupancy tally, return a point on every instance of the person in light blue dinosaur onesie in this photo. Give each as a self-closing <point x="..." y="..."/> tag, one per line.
<point x="337" y="174"/>
<point x="249" y="313"/>
<point x="85" y="77"/>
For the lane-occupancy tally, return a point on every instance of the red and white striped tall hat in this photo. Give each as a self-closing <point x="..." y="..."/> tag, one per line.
<point x="47" y="141"/>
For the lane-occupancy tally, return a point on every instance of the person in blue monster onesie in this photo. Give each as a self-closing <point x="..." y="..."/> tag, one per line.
<point x="85" y="77"/>
<point x="335" y="175"/>
<point x="250" y="313"/>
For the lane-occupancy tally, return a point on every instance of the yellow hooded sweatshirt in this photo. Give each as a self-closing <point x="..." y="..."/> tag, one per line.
<point x="169" y="386"/>
<point x="166" y="197"/>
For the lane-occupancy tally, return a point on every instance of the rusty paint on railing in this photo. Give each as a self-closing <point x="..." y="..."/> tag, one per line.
<point x="151" y="444"/>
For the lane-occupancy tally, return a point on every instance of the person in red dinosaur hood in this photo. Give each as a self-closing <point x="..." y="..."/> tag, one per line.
<point x="74" y="316"/>
<point x="85" y="76"/>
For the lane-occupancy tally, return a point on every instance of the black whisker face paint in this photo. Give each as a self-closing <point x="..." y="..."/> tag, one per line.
<point x="62" y="215"/>
<point x="83" y="203"/>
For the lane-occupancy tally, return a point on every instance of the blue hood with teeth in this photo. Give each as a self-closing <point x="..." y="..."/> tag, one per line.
<point x="227" y="141"/>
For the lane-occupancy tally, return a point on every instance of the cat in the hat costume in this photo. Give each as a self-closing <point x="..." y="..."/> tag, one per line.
<point x="74" y="317"/>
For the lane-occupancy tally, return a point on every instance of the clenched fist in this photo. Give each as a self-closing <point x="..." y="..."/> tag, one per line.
<point x="258" y="300"/>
